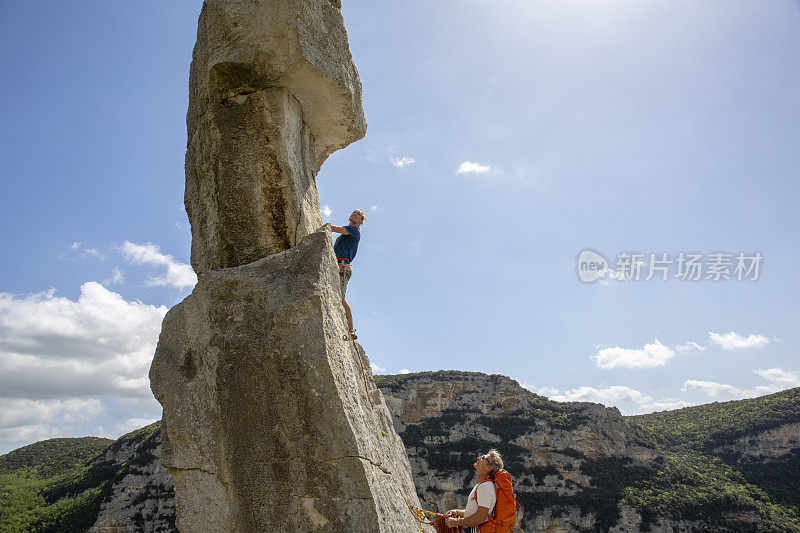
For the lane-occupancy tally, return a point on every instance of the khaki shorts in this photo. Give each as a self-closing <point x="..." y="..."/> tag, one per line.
<point x="345" y="271"/>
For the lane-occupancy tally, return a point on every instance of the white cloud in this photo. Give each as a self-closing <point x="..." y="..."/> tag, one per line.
<point x="632" y="401"/>
<point x="15" y="412"/>
<point x="30" y="420"/>
<point x="652" y="355"/>
<point x="469" y="167"/>
<point x="85" y="252"/>
<point x="544" y="390"/>
<point x="710" y="388"/>
<point x="326" y="210"/>
<point x="376" y="369"/>
<point x="123" y="427"/>
<point x="373" y="208"/>
<point x="690" y="347"/>
<point x="626" y="399"/>
<point x="404" y="371"/>
<point x="780" y="377"/>
<point x="53" y="347"/>
<point x="734" y="341"/>
<point x="606" y="395"/>
<point x="62" y="361"/>
<point x="663" y="405"/>
<point x="401" y="162"/>
<point x="178" y="275"/>
<point x="94" y="253"/>
<point x="116" y="277"/>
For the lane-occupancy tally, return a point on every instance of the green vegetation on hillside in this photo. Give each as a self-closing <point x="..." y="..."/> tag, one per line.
<point x="57" y="486"/>
<point x="697" y="431"/>
<point x="558" y="415"/>
<point x="53" y="457"/>
<point x="686" y="482"/>
<point x="704" y="427"/>
<point x="780" y="478"/>
<point x="398" y="381"/>
<point x="26" y="472"/>
<point x="696" y="488"/>
<point x="60" y="484"/>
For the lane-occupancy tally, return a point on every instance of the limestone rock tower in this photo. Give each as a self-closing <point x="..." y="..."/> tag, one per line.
<point x="271" y="419"/>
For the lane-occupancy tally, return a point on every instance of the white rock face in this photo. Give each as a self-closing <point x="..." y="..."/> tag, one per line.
<point x="273" y="91"/>
<point x="266" y="418"/>
<point x="469" y="411"/>
<point x="267" y="423"/>
<point x="765" y="445"/>
<point x="442" y="415"/>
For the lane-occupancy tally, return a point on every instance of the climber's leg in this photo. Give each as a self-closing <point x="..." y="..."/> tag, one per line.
<point x="349" y="314"/>
<point x="345" y="271"/>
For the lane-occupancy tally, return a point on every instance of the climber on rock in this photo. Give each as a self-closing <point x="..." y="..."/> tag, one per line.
<point x="345" y="248"/>
<point x="482" y="499"/>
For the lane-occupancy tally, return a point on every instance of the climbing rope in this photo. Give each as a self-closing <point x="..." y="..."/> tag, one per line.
<point x="437" y="520"/>
<point x="363" y="372"/>
<point x="419" y="515"/>
<point x="361" y="363"/>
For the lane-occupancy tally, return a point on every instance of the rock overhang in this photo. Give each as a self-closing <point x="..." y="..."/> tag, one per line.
<point x="301" y="46"/>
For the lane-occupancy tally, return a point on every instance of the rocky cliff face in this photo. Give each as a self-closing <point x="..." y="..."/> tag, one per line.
<point x="142" y="496"/>
<point x="575" y="465"/>
<point x="273" y="91"/>
<point x="763" y="446"/>
<point x="582" y="466"/>
<point x="446" y="419"/>
<point x="268" y="417"/>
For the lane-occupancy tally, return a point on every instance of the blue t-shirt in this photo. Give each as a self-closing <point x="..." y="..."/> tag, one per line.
<point x="347" y="245"/>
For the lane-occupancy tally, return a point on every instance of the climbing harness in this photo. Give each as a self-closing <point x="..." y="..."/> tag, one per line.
<point x="343" y="261"/>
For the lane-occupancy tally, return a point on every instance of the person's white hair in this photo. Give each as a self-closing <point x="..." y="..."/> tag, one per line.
<point x="360" y="212"/>
<point x="495" y="461"/>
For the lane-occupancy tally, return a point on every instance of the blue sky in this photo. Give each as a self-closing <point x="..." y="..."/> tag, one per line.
<point x="615" y="126"/>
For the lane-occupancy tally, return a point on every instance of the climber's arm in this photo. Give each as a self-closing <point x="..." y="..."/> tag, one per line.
<point x="480" y="516"/>
<point x="340" y="229"/>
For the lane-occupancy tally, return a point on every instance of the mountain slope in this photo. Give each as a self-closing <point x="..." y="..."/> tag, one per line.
<point x="705" y="427"/>
<point x="26" y="473"/>
<point x="70" y="490"/>
<point x="759" y="438"/>
<point x="53" y="457"/>
<point x="576" y="466"/>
